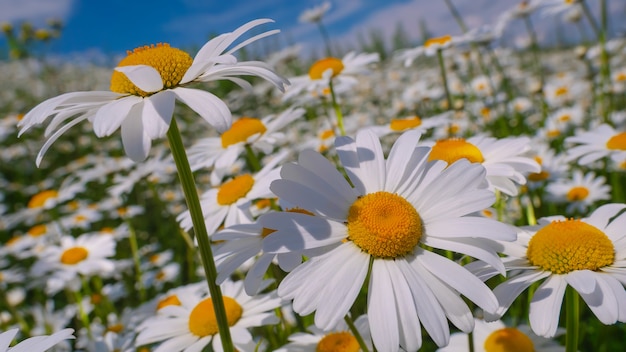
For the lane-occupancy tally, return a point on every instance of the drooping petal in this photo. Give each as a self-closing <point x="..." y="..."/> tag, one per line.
<point x="135" y="140"/>
<point x="545" y="306"/>
<point x="145" y="77"/>
<point x="208" y="106"/>
<point x="110" y="117"/>
<point x="157" y="113"/>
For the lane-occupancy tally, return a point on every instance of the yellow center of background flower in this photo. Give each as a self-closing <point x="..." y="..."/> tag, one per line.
<point x="577" y="194"/>
<point x="405" y="124"/>
<point x="241" y="130"/>
<point x="74" y="255"/>
<point x="564" y="246"/>
<point x="320" y="66"/>
<point x="560" y="91"/>
<point x="233" y="190"/>
<point x="202" y="320"/>
<point x="384" y="225"/>
<point x="40" y="199"/>
<point x="338" y="342"/>
<point x="617" y="142"/>
<point x="439" y="41"/>
<point x="168" y="301"/>
<point x="171" y="63"/>
<point x="37" y="230"/>
<point x="453" y="149"/>
<point x="508" y="340"/>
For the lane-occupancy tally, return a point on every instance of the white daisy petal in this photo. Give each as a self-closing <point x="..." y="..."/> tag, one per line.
<point x="545" y="306"/>
<point x="109" y="117"/>
<point x="145" y="77"/>
<point x="583" y="281"/>
<point x="603" y="301"/>
<point x="381" y="310"/>
<point x="508" y="291"/>
<point x="212" y="109"/>
<point x="157" y="113"/>
<point x="136" y="142"/>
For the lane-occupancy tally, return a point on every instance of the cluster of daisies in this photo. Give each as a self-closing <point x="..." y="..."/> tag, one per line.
<point x="475" y="202"/>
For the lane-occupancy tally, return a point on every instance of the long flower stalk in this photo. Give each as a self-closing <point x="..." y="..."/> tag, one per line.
<point x="204" y="245"/>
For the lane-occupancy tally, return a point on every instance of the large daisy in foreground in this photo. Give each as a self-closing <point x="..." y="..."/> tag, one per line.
<point x="587" y="254"/>
<point x="144" y="88"/>
<point x="399" y="209"/>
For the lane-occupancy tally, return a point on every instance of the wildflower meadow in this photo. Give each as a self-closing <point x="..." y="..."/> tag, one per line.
<point x="456" y="194"/>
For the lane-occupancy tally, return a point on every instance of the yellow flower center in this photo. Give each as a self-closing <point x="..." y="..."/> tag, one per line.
<point x="320" y="66"/>
<point x="202" y="320"/>
<point x="453" y="149"/>
<point x="168" y="301"/>
<point x="553" y="133"/>
<point x="439" y="41"/>
<point x="564" y="246"/>
<point x="241" y="130"/>
<point x="37" y="230"/>
<point x="508" y="340"/>
<point x="621" y="77"/>
<point x="74" y="255"/>
<point x="577" y="194"/>
<point x="384" y="225"/>
<point x="405" y="124"/>
<point x="117" y="328"/>
<point x="171" y="63"/>
<point x="40" y="199"/>
<point x="327" y="134"/>
<point x="617" y="142"/>
<point x="561" y="91"/>
<point x="235" y="189"/>
<point x="338" y="342"/>
<point x="538" y="176"/>
<point x="564" y="117"/>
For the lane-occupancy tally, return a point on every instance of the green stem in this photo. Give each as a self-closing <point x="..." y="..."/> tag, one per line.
<point x="325" y="37"/>
<point x="253" y="160"/>
<point x="338" y="112"/>
<point x="134" y="248"/>
<point x="456" y="15"/>
<point x="470" y="341"/>
<point x="444" y="77"/>
<point x="500" y="204"/>
<point x="193" y="203"/>
<point x="356" y="333"/>
<point x="572" y="314"/>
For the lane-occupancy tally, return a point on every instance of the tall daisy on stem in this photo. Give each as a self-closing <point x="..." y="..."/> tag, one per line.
<point x="144" y="88"/>
<point x="386" y="228"/>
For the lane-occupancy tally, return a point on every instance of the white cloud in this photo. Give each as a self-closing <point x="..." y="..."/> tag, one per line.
<point x="35" y="11"/>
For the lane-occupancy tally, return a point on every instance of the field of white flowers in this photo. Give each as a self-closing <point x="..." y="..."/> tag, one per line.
<point x="453" y="196"/>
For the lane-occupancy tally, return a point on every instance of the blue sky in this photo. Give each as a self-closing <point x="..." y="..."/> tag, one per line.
<point x="111" y="27"/>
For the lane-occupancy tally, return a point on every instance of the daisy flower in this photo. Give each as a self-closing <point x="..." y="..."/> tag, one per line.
<point x="496" y="336"/>
<point x="33" y="344"/>
<point x="580" y="192"/>
<point x="588" y="254"/>
<point x="338" y="339"/>
<point x="342" y="72"/>
<point x="430" y="48"/>
<point x="315" y="14"/>
<point x="190" y="323"/>
<point x="503" y="158"/>
<point x="144" y="88"/>
<point x="409" y="123"/>
<point x="87" y="254"/>
<point x="594" y="145"/>
<point x="230" y="202"/>
<point x="398" y="208"/>
<point x="260" y="134"/>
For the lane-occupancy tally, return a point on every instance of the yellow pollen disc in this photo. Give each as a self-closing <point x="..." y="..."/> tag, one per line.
<point x="538" y="176"/>
<point x="122" y="211"/>
<point x="453" y="128"/>
<point x="405" y="124"/>
<point x="96" y="298"/>
<point x="577" y="194"/>
<point x="13" y="240"/>
<point x="168" y="301"/>
<point x="384" y="225"/>
<point x="107" y="230"/>
<point x="117" y="328"/>
<point x="438" y="41"/>
<point x="241" y="130"/>
<point x="37" y="230"/>
<point x="202" y="320"/>
<point x="235" y="189"/>
<point x="320" y="66"/>
<point x="560" y="91"/>
<point x="338" y="342"/>
<point x="565" y="117"/>
<point x="564" y="246"/>
<point x="263" y="203"/>
<point x="621" y="77"/>
<point x="453" y="149"/>
<point x="327" y="134"/>
<point x="553" y="133"/>
<point x="508" y="340"/>
<point x="160" y="276"/>
<point x="617" y="142"/>
<point x="171" y="63"/>
<point x="74" y="255"/>
<point x="299" y="210"/>
<point x="80" y="218"/>
<point x="40" y="199"/>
